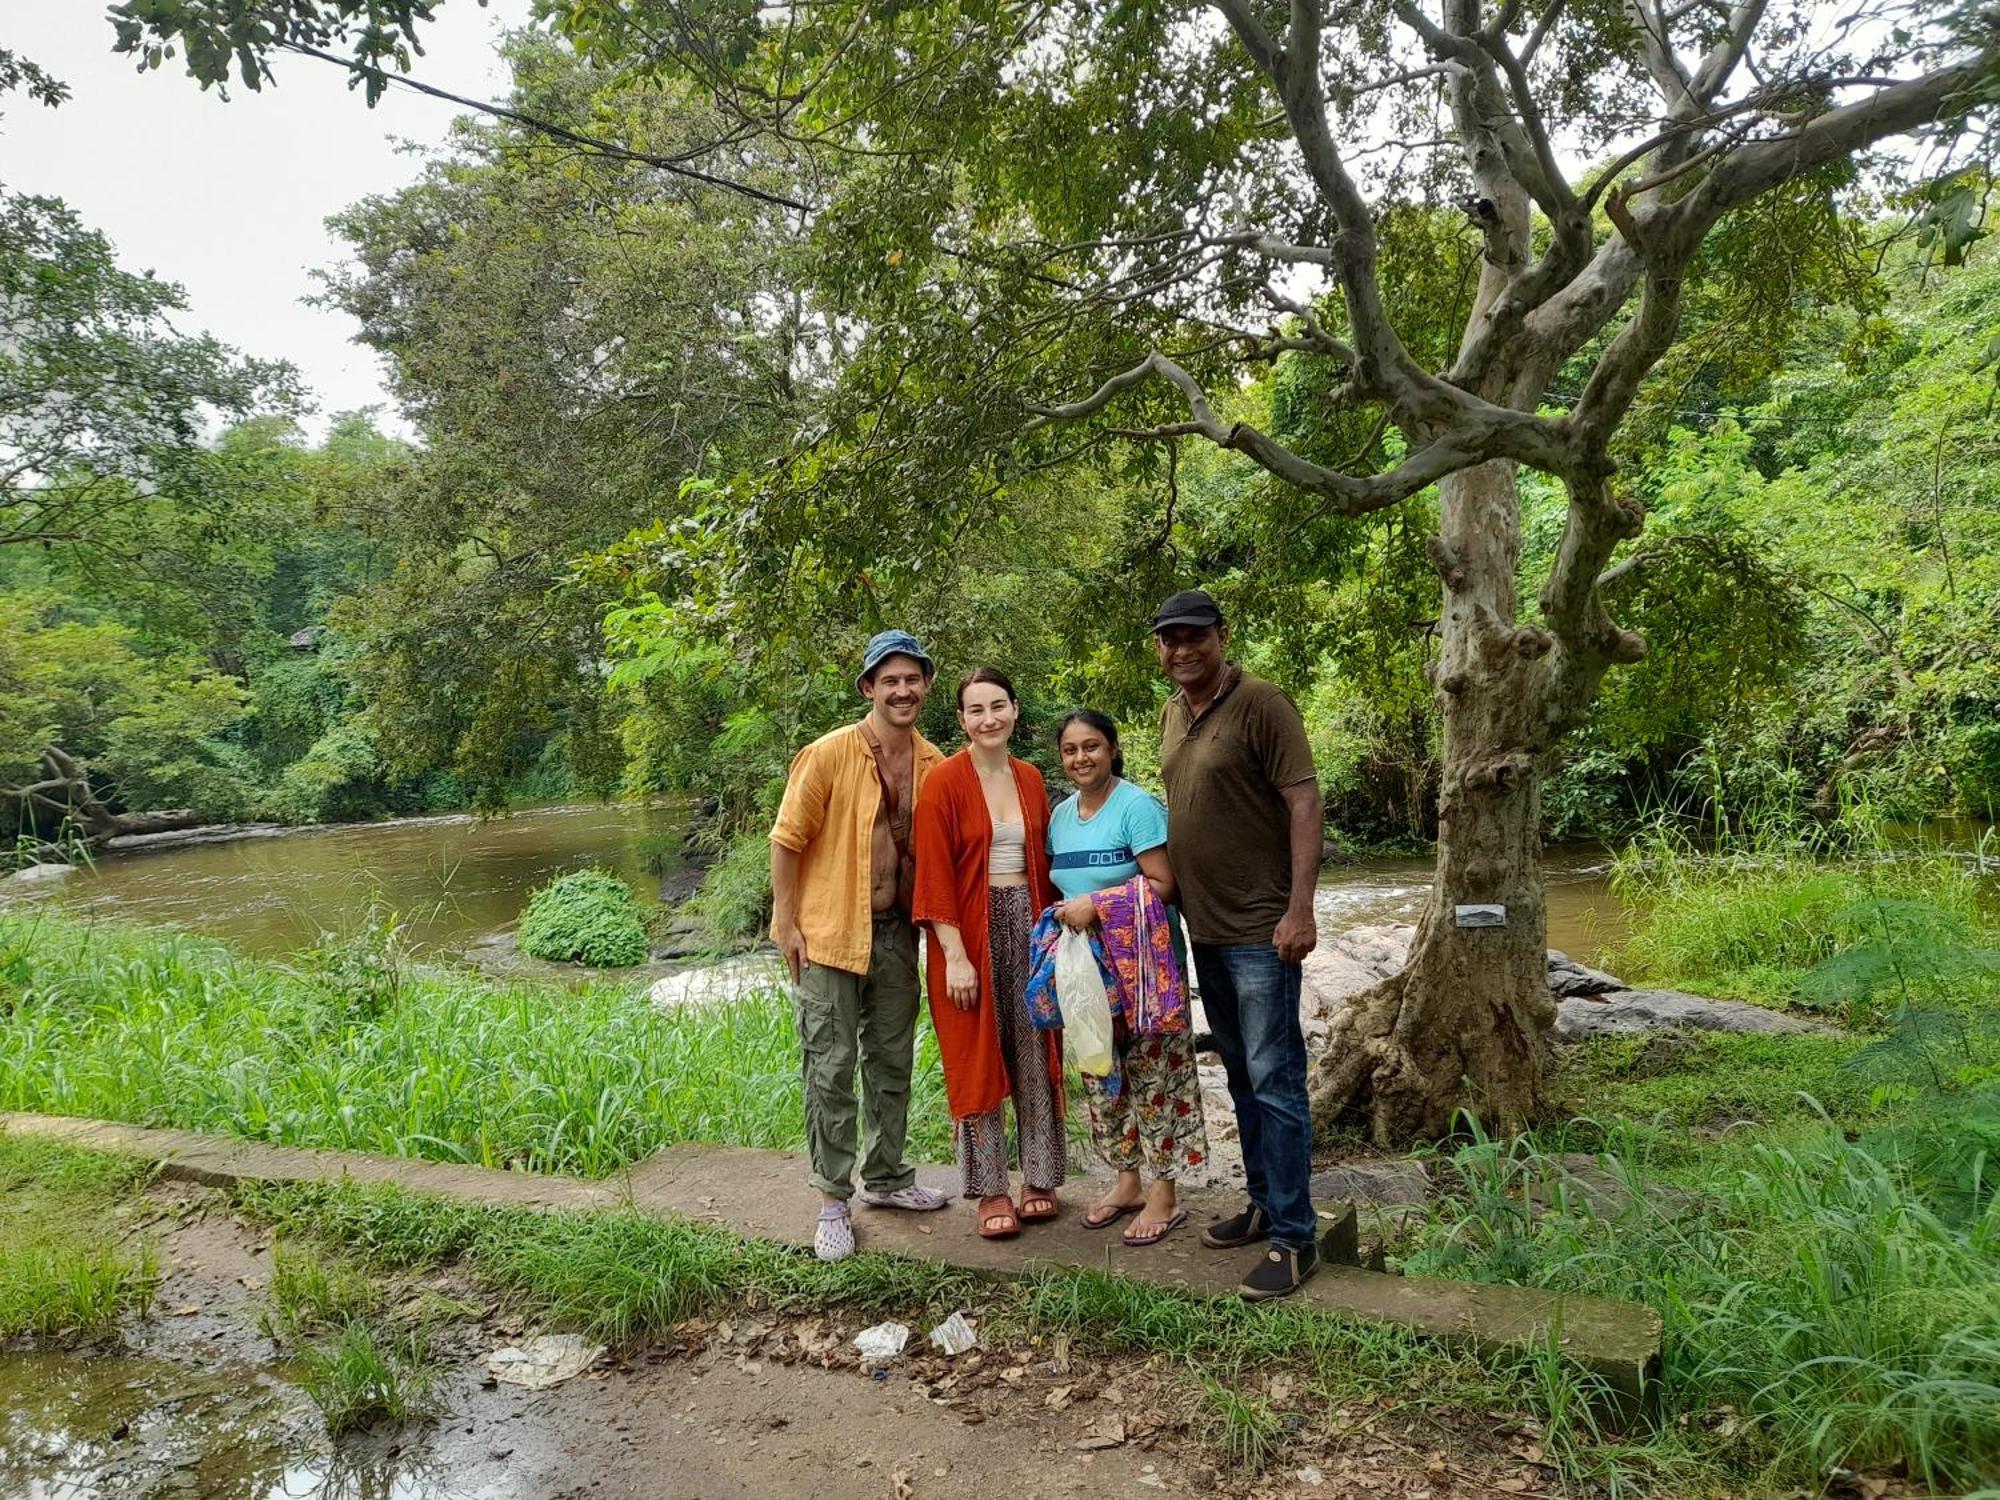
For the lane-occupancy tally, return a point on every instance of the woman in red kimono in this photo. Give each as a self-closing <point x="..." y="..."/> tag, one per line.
<point x="981" y="843"/>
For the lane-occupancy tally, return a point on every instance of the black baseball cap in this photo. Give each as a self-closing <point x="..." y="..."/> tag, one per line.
<point x="1188" y="607"/>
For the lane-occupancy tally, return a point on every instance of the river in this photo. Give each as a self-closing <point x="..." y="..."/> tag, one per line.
<point x="451" y="880"/>
<point x="455" y="881"/>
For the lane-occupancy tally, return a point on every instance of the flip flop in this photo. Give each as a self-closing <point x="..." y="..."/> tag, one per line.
<point x="1140" y="1241"/>
<point x="1097" y="1218"/>
<point x="1009" y="1225"/>
<point x="1040" y="1195"/>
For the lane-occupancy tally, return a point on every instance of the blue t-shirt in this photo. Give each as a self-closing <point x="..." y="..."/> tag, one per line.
<point x="1088" y="855"/>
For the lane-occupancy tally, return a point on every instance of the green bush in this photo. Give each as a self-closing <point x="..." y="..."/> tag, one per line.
<point x="588" y="917"/>
<point x="1972" y="752"/>
<point x="340" y="777"/>
<point x="734" y="901"/>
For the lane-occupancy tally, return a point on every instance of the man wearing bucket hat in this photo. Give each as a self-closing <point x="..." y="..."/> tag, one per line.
<point x="1243" y="836"/>
<point x="841" y="881"/>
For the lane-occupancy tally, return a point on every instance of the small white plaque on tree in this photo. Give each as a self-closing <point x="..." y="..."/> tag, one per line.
<point x="1482" y="916"/>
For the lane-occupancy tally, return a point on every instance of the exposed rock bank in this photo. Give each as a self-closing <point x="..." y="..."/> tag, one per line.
<point x="1590" y="1002"/>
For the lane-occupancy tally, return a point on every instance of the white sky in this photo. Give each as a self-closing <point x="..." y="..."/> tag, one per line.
<point x="229" y="199"/>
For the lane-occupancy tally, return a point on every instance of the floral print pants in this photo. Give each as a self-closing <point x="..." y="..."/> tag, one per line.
<point x="1153" y="1122"/>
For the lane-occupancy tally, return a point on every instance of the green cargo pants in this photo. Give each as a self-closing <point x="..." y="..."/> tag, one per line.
<point x="871" y="1018"/>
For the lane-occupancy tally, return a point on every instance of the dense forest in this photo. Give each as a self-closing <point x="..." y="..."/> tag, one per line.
<point x="203" y="611"/>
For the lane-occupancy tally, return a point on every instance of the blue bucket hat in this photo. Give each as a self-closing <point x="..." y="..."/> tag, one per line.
<point x="892" y="643"/>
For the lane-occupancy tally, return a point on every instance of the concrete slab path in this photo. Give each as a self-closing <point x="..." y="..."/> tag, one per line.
<point x="765" y="1195"/>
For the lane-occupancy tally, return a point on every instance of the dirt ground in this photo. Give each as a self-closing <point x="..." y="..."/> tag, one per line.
<point x="195" y="1405"/>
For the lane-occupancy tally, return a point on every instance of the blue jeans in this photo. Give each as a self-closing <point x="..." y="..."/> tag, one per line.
<point x="1251" y="999"/>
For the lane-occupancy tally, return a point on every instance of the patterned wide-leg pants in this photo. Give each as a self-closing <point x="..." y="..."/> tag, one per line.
<point x="1153" y="1121"/>
<point x="1038" y="1120"/>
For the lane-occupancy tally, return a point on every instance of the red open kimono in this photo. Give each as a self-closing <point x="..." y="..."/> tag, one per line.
<point x="954" y="833"/>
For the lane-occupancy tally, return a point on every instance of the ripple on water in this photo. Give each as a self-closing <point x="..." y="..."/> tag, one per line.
<point x="87" y="1426"/>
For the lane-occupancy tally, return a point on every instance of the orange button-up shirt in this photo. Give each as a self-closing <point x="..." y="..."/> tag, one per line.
<point x="828" y="816"/>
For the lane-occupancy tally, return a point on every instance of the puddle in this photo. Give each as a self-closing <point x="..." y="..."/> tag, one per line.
<point x="124" y="1427"/>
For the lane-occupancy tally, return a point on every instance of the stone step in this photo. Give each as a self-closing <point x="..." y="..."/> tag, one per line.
<point x="765" y="1195"/>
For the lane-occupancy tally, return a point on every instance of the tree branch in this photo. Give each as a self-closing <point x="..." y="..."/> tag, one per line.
<point x="1294" y="71"/>
<point x="1484" y="432"/>
<point x="1674" y="231"/>
<point x="615" y="152"/>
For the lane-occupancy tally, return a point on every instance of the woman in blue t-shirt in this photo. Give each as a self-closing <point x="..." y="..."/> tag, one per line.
<point x="1104" y="834"/>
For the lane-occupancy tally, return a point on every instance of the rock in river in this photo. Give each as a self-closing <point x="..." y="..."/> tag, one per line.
<point x="42" y="874"/>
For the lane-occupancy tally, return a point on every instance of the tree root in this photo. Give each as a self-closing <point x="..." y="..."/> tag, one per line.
<point x="1404" y="1070"/>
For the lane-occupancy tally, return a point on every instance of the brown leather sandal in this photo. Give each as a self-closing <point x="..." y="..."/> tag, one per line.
<point x="993" y="1223"/>
<point x="1039" y="1205"/>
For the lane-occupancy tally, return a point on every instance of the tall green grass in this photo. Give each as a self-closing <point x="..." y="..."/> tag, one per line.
<point x="1746" y="920"/>
<point x="158" y="1029"/>
<point x="61" y="1276"/>
<point x="1825" y="1290"/>
<point x="1815" y="1217"/>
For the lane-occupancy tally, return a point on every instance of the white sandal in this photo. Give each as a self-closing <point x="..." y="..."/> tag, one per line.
<point x="833" y="1237"/>
<point x="917" y="1199"/>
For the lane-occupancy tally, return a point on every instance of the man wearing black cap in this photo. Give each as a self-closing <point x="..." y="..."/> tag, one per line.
<point x="1244" y="824"/>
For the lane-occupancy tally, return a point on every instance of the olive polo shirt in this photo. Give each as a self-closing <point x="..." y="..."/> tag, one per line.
<point x="1229" y="832"/>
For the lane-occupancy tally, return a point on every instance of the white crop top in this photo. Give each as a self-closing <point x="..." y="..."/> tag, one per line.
<point x="1009" y="855"/>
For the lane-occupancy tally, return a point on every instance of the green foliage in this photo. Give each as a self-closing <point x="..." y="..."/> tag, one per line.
<point x="363" y="1375"/>
<point x="734" y="901"/>
<point x="515" y="288"/>
<point x="587" y="917"/>
<point x="1685" y="1084"/>
<point x="79" y="1290"/>
<point x="103" y="401"/>
<point x="1751" y="923"/>
<point x="341" y="776"/>
<point x="311" y="1294"/>
<point x="60" y="1278"/>
<point x="151" y="726"/>
<point x="1848" y="662"/>
<point x="1817" y="1288"/>
<point x="139" y="1026"/>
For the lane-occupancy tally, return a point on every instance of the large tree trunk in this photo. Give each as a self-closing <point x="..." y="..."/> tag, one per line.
<point x="1464" y="1024"/>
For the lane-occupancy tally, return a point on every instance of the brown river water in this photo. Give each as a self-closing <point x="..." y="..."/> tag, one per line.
<point x="454" y="881"/>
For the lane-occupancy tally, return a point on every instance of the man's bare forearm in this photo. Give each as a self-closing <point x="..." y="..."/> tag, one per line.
<point x="1308" y="833"/>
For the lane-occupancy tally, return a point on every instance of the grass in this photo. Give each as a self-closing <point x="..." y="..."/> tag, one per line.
<point x="1241" y="1425"/>
<point x="1823" y="1287"/>
<point x="1815" y="1217"/>
<point x="364" y="1375"/>
<point x="1747" y="922"/>
<point x="73" y="1291"/>
<point x="359" y="1364"/>
<point x="615" y="1277"/>
<point x="156" y="1029"/>
<point x="310" y="1294"/>
<point x="60" y="1277"/>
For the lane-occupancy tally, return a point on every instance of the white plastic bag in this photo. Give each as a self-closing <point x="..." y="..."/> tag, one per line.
<point x="955" y="1334"/>
<point x="1086" y="1013"/>
<point x="882" y="1343"/>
